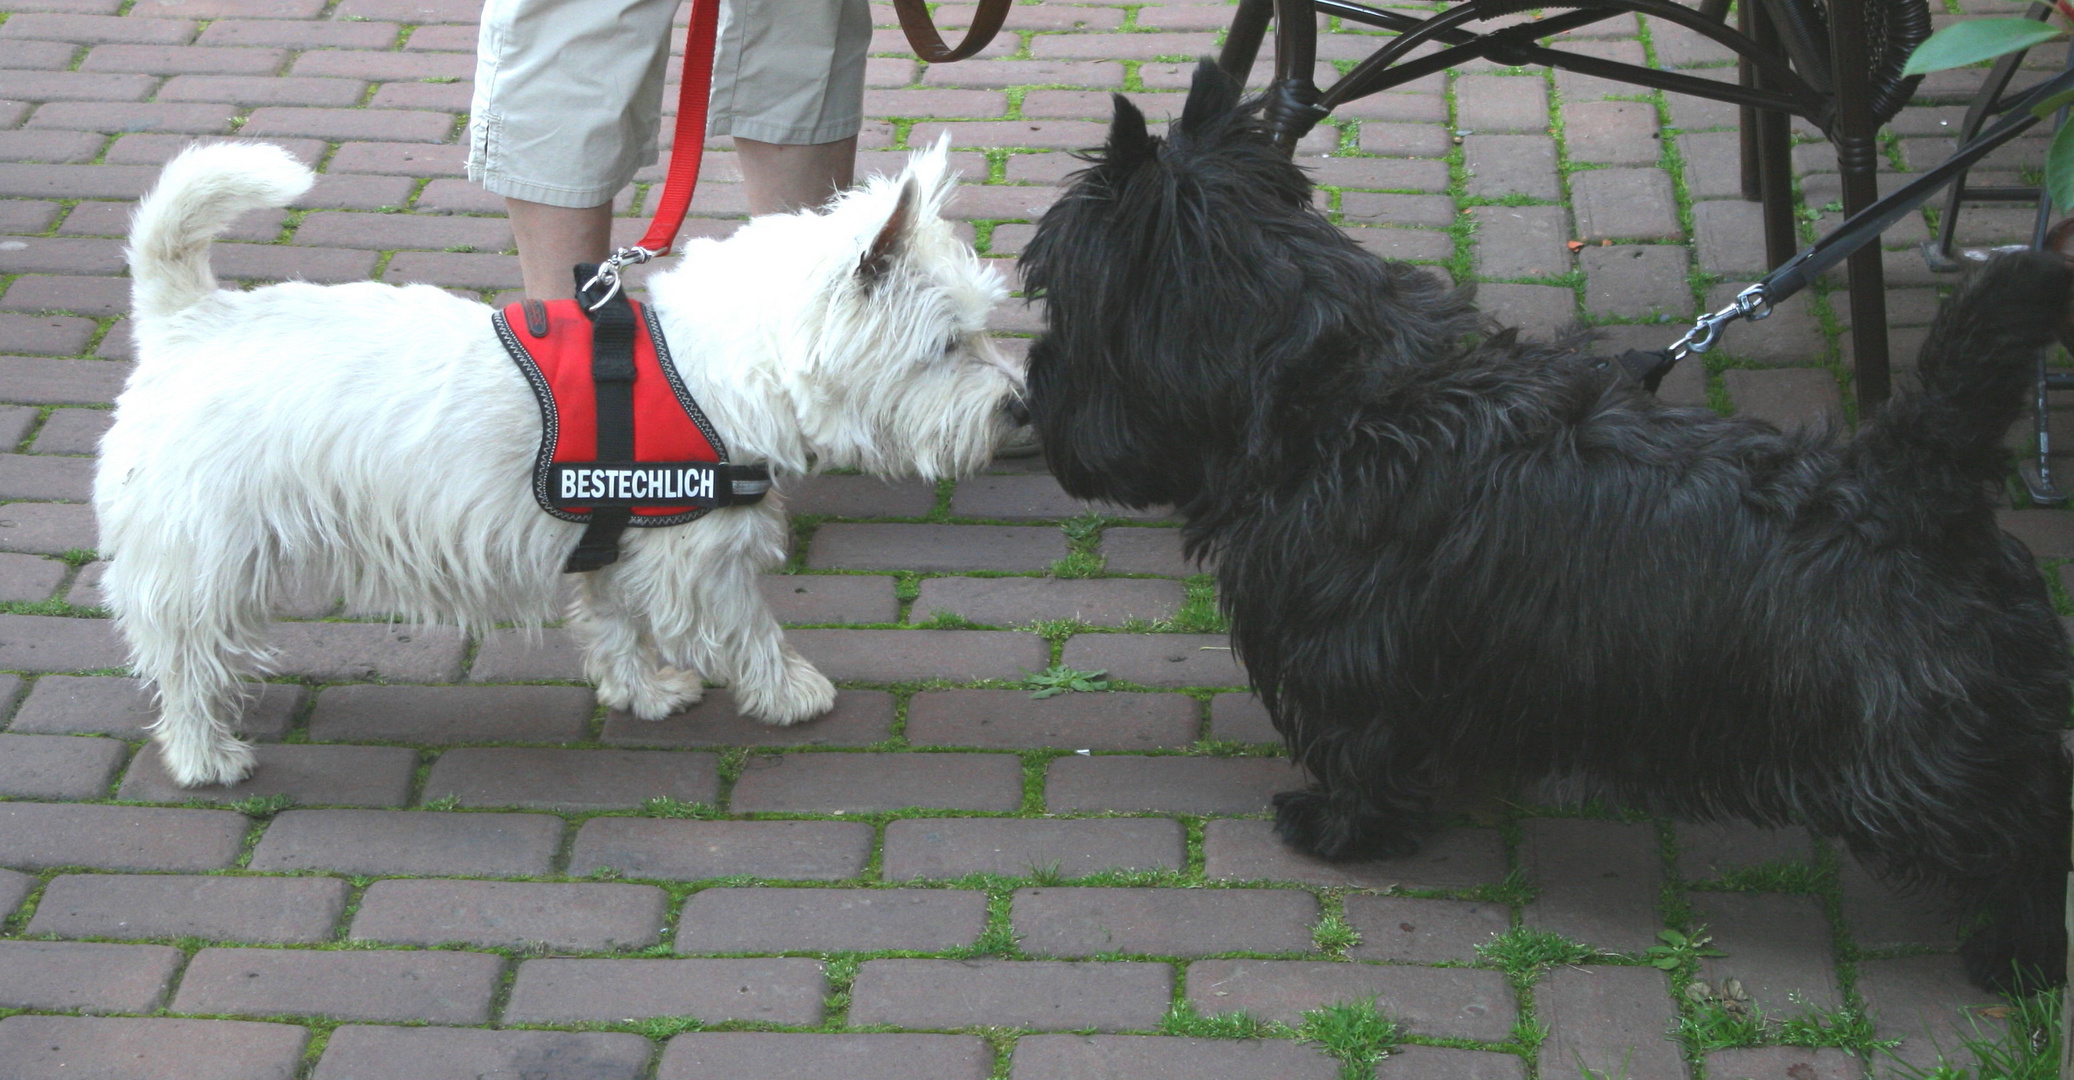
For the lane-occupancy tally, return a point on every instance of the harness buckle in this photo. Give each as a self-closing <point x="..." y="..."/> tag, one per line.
<point x="608" y="273"/>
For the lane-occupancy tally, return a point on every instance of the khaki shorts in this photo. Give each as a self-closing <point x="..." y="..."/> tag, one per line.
<point x="568" y="93"/>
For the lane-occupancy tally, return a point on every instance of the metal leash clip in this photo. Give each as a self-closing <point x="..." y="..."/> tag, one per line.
<point x="1749" y="304"/>
<point x="608" y="272"/>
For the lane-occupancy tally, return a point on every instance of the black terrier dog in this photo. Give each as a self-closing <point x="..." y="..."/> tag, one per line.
<point x="1445" y="555"/>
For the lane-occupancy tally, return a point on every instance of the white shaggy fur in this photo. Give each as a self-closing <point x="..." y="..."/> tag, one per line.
<point x="378" y="442"/>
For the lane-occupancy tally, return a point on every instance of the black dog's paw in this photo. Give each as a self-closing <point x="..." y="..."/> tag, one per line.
<point x="2015" y="955"/>
<point x="1312" y="823"/>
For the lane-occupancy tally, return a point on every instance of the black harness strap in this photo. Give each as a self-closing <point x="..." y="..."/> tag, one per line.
<point x="613" y="327"/>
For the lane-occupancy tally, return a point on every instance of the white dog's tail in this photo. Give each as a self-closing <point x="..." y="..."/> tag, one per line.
<point x="198" y="195"/>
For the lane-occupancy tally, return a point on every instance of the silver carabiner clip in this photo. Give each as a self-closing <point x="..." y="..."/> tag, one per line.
<point x="608" y="273"/>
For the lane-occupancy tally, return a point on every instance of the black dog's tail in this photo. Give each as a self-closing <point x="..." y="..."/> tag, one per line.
<point x="1976" y="368"/>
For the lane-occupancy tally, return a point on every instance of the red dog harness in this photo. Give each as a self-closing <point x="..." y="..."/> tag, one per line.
<point x="622" y="442"/>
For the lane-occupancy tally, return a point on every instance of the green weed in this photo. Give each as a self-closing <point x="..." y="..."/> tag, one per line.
<point x="1356" y="1033"/>
<point x="1060" y="679"/>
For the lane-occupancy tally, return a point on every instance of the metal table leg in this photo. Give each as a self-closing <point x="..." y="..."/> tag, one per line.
<point x="1857" y="151"/>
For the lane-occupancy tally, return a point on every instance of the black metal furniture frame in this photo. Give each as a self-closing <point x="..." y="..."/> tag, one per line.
<point x="1797" y="59"/>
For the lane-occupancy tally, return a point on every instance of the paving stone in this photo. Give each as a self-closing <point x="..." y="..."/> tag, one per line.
<point x="1879" y="917"/>
<point x="1787" y="397"/>
<point x="73" y="431"/>
<point x="1612" y="133"/>
<point x="1154" y="1057"/>
<point x="45" y="528"/>
<point x="1636" y="280"/>
<point x="860" y="717"/>
<point x="1032" y="498"/>
<point x="1072" y="922"/>
<point x="513" y="914"/>
<point x="1521" y="241"/>
<point x="1147" y="551"/>
<point x="410" y="842"/>
<point x="30" y="476"/>
<point x="38" y="381"/>
<point x="2048" y="533"/>
<point x="1416" y="931"/>
<point x="1730" y="235"/>
<point x="34" y="836"/>
<point x="955" y="847"/>
<point x="830" y="598"/>
<point x="28" y="579"/>
<point x="1599" y="881"/>
<point x="1405" y="245"/>
<point x="904" y="655"/>
<point x="1037" y="995"/>
<point x="943" y="548"/>
<point x="1365" y="208"/>
<point x="362" y="1052"/>
<point x="866" y="783"/>
<point x="1013" y="719"/>
<point x="1715" y="850"/>
<point x="16" y="420"/>
<point x="1500" y="103"/>
<point x="15" y="887"/>
<point x="571" y="779"/>
<point x="743" y="1055"/>
<point x="1624" y="204"/>
<point x="46" y="643"/>
<point x="1501" y="165"/>
<point x="1779" y="946"/>
<point x="109" y="705"/>
<point x="361" y="651"/>
<point x="1434" y="1063"/>
<point x="84" y="976"/>
<point x="1387" y="173"/>
<point x="696" y="850"/>
<point x="1538" y="311"/>
<point x="1798" y="1063"/>
<point x="830" y="920"/>
<point x="312" y="775"/>
<point x="442" y="714"/>
<point x="107" y="1048"/>
<point x="1157" y="659"/>
<point x="1241" y="718"/>
<point x="1451" y="859"/>
<point x="440" y="987"/>
<point x="1180" y="785"/>
<point x="1458" y="1003"/>
<point x="1018" y="601"/>
<point x="263" y="910"/>
<point x="1927" y="1003"/>
<point x="57" y="766"/>
<point x="1611" y="1020"/>
<point x="1404" y="140"/>
<point x="1713" y="164"/>
<point x="763" y="990"/>
<point x="859" y="496"/>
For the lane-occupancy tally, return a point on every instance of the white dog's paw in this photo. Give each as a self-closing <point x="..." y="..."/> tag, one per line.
<point x="196" y="764"/>
<point x="653" y="698"/>
<point x="804" y="694"/>
<point x="670" y="691"/>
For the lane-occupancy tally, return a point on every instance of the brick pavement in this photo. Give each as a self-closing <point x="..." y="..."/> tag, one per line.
<point x="452" y="864"/>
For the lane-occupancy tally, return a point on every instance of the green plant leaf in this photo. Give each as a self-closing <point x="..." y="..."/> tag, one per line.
<point x="1975" y="40"/>
<point x="2059" y="168"/>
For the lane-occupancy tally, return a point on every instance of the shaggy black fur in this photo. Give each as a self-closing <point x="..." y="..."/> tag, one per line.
<point x="1445" y="556"/>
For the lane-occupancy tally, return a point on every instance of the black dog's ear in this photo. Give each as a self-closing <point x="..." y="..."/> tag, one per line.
<point x="1211" y="96"/>
<point x="878" y="258"/>
<point x="1129" y="141"/>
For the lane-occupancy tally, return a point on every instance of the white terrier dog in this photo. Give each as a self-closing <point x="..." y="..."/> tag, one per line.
<point x="379" y="442"/>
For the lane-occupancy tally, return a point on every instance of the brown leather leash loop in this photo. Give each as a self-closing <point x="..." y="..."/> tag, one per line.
<point x="928" y="44"/>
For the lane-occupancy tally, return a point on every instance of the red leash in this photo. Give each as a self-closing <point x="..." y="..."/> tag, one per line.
<point x="686" y="150"/>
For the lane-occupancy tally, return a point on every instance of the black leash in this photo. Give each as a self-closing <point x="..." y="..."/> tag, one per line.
<point x="1649" y="367"/>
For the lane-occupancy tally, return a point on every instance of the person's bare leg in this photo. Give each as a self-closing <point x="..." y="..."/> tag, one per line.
<point x="781" y="179"/>
<point x="553" y="239"/>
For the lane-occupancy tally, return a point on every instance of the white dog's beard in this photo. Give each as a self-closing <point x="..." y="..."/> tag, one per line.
<point x="377" y="443"/>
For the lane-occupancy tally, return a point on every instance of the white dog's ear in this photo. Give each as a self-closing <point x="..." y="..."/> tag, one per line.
<point x="885" y="248"/>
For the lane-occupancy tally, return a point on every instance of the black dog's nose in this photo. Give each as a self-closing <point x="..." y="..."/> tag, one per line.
<point x="1017" y="410"/>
